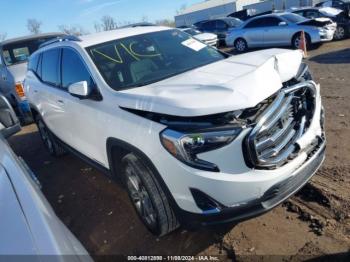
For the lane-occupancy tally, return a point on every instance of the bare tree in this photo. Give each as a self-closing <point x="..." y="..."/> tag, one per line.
<point x="34" y="25"/>
<point x="3" y="36"/>
<point x="182" y="8"/>
<point x="97" y="27"/>
<point x="76" y="30"/>
<point x="108" y="23"/>
<point x="165" y="22"/>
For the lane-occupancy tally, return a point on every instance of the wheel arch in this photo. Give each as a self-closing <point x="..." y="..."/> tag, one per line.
<point x="117" y="149"/>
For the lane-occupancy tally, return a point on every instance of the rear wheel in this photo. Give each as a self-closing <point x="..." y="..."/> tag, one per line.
<point x="340" y="33"/>
<point x="147" y="196"/>
<point x="241" y="45"/>
<point x="54" y="148"/>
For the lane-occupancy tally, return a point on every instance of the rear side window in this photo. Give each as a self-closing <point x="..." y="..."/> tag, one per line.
<point x="255" y="23"/>
<point x="50" y="67"/>
<point x="221" y="24"/>
<point x="73" y="69"/>
<point x="210" y="25"/>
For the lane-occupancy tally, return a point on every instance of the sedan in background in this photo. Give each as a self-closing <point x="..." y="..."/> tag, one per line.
<point x="29" y="226"/>
<point x="279" y="29"/>
<point x="337" y="15"/>
<point x="207" y="38"/>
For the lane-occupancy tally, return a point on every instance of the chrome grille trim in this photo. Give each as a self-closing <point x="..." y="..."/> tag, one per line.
<point x="272" y="142"/>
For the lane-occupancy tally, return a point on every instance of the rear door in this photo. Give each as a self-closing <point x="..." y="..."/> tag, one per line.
<point x="274" y="33"/>
<point x="253" y="33"/>
<point x="50" y="97"/>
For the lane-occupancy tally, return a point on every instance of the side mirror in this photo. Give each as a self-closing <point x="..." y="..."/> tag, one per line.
<point x="80" y="89"/>
<point x="9" y="123"/>
<point x="283" y="23"/>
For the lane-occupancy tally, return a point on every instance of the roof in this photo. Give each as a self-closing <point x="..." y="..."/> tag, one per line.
<point x="206" y="5"/>
<point x="29" y="37"/>
<point x="97" y="38"/>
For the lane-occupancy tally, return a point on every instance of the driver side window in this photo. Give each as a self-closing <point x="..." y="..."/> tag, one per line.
<point x="73" y="69"/>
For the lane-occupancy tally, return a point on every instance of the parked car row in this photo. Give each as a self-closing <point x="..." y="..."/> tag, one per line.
<point x="279" y="29"/>
<point x="272" y="29"/>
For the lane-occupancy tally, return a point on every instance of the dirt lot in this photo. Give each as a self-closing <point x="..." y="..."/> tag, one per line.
<point x="313" y="224"/>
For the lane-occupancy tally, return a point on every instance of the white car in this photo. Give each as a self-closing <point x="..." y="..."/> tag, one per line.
<point x="197" y="137"/>
<point x="207" y="38"/>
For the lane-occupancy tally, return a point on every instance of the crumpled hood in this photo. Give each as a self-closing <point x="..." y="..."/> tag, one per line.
<point x="238" y="82"/>
<point x="18" y="71"/>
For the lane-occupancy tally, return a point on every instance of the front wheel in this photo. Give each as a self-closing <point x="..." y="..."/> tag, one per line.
<point x="241" y="45"/>
<point x="339" y="33"/>
<point x="147" y="196"/>
<point x="296" y="41"/>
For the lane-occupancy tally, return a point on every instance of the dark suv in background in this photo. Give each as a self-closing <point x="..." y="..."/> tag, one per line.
<point x="220" y="26"/>
<point x="343" y="5"/>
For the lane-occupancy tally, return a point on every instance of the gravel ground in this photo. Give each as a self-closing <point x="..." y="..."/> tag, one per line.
<point x="313" y="224"/>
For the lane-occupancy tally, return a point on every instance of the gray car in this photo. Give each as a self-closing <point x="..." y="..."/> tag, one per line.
<point x="28" y="225"/>
<point x="279" y="29"/>
<point x="14" y="55"/>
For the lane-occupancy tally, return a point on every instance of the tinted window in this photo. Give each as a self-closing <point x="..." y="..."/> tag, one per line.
<point x="294" y="18"/>
<point x="271" y="21"/>
<point x="210" y="25"/>
<point x="311" y="14"/>
<point x="148" y="58"/>
<point x="221" y="24"/>
<point x="33" y="63"/>
<point x="50" y="67"/>
<point x="73" y="69"/>
<point x="255" y="23"/>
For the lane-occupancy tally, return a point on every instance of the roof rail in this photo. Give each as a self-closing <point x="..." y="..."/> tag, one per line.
<point x="60" y="39"/>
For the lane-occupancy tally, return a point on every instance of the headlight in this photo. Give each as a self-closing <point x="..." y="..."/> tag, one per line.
<point x="186" y="147"/>
<point x="322" y="31"/>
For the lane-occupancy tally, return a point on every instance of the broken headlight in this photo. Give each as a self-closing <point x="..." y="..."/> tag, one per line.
<point x="186" y="147"/>
<point x="304" y="73"/>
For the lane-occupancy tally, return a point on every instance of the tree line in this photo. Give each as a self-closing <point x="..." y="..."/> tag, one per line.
<point x="106" y="23"/>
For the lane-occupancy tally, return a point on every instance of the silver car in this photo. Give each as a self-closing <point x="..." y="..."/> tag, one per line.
<point x="14" y="55"/>
<point x="278" y="29"/>
<point x="28" y="225"/>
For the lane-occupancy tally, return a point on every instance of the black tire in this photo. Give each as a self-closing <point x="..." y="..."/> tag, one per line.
<point x="296" y="40"/>
<point x="241" y="45"/>
<point x="147" y="196"/>
<point x="340" y="33"/>
<point x="54" y="148"/>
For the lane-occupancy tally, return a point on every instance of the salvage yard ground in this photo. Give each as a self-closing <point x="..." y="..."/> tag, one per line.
<point x="313" y="224"/>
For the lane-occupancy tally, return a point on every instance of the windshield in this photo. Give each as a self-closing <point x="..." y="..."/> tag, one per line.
<point x="192" y="31"/>
<point x="294" y="18"/>
<point x="144" y="59"/>
<point x="19" y="52"/>
<point x="234" y="22"/>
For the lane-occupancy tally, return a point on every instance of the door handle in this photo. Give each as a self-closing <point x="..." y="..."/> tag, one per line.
<point x="36" y="91"/>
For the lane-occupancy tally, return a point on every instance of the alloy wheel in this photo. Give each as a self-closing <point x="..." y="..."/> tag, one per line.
<point x="339" y="33"/>
<point x="141" y="199"/>
<point x="241" y="45"/>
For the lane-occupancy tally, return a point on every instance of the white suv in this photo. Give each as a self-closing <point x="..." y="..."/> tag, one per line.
<point x="197" y="137"/>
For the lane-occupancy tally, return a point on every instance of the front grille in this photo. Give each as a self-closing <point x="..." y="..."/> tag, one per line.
<point x="272" y="141"/>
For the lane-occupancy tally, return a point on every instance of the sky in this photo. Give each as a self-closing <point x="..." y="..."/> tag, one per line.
<point x="52" y="13"/>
